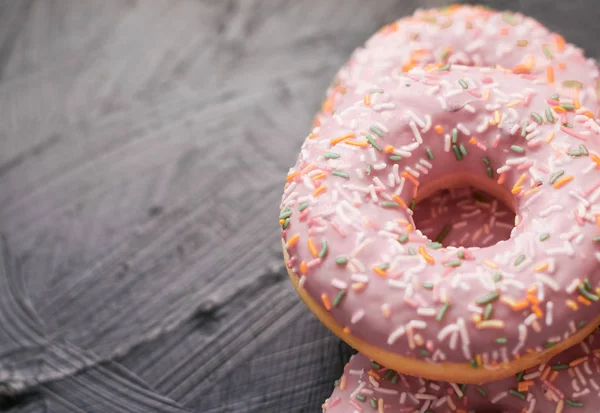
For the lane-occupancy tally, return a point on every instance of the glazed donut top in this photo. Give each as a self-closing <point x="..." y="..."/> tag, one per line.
<point x="348" y="228"/>
<point x="569" y="383"/>
<point x="471" y="36"/>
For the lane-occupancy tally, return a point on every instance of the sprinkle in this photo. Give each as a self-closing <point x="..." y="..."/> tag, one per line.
<point x="486" y="160"/>
<point x="286" y="213"/>
<point x="412" y="205"/>
<point x="323" y="249"/>
<point x="519" y="260"/>
<point x="596" y="238"/>
<point x="453" y="263"/>
<point x="292" y="241"/>
<point x="524" y="129"/>
<point x="573" y="403"/>
<point x="373" y="143"/>
<point x="546" y="50"/>
<point x="463" y="84"/>
<point x="488" y="311"/>
<point x="456" y="153"/>
<point x="509" y="18"/>
<point x="556" y="175"/>
<point x="587" y="294"/>
<point x="428" y="285"/>
<point x="376" y="130"/>
<point x="537" y="118"/>
<point x="380" y="271"/>
<point x="319" y="190"/>
<point x="434" y="245"/>
<point x="325" y="300"/>
<point x="549" y="116"/>
<point x="463" y="150"/>
<point x="340" y="295"/>
<point x="339" y="139"/>
<point x="560" y="367"/>
<point x="331" y="155"/>
<point x="303" y="206"/>
<point x="390" y="204"/>
<point x="516" y="148"/>
<point x="425" y="255"/>
<point x="312" y="248"/>
<point x="443" y="309"/>
<point x="501" y="340"/>
<point x="341" y="260"/>
<point x="583" y="149"/>
<point x="520" y="376"/>
<point x="490" y="172"/>
<point x="522" y="43"/>
<point x="292" y="176"/>
<point x="395" y="158"/>
<point x="403" y="238"/>
<point x="488" y="298"/>
<point x="562" y="181"/>
<point x="572" y="83"/>
<point x="454" y="135"/>
<point x="443" y="233"/>
<point x="361" y="397"/>
<point x="446" y="67"/>
<point x="567" y="106"/>
<point x="429" y="154"/>
<point x="555" y="96"/>
<point x="481" y="391"/>
<point x="517" y="394"/>
<point x="368" y="169"/>
<point x="340" y="174"/>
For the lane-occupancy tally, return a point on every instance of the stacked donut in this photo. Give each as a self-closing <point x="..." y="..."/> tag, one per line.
<point x="443" y="218"/>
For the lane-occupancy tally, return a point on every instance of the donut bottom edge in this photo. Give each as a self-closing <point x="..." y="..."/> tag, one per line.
<point x="449" y="372"/>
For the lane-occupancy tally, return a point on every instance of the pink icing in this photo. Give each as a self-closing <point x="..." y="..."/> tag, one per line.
<point x="351" y="238"/>
<point x="568" y="383"/>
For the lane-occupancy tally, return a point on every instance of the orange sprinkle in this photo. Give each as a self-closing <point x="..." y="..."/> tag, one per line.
<point x="595" y="158"/>
<point x="319" y="190"/>
<point x="520" y="180"/>
<point x="503" y="31"/>
<point x="532" y="289"/>
<point x="424" y="254"/>
<point x="328" y="104"/>
<point x="281" y="221"/>
<point x="514" y="305"/>
<point x="524" y="385"/>
<point x="497" y="117"/>
<point x="346" y="330"/>
<point x="410" y="178"/>
<point x="572" y="305"/>
<point x="293" y="240"/>
<point x="313" y="249"/>
<point x="550" y="137"/>
<point x="292" y="176"/>
<point x="326" y="302"/>
<point x="409" y="227"/>
<point x="531" y="191"/>
<point x="559" y="109"/>
<point x="583" y="300"/>
<point x="541" y="267"/>
<point x="355" y="143"/>
<point x="589" y="114"/>
<point x="553" y="376"/>
<point x="545" y="373"/>
<point x="478" y="359"/>
<point x="343" y="382"/>
<point x="313" y="136"/>
<point x="562" y="181"/>
<point x="576" y="102"/>
<point x="537" y="311"/>
<point x="473" y="140"/>
<point x="501" y="179"/>
<point x="303" y="267"/>
<point x="578" y="361"/>
<point x="318" y="176"/>
<point x="388" y="149"/>
<point x="560" y="42"/>
<point x="386" y="311"/>
<point x="380" y="271"/>
<point x="308" y="168"/>
<point x="476" y="318"/>
<point x="399" y="200"/>
<point x="367" y="100"/>
<point x="516" y="189"/>
<point x="374" y="374"/>
<point x="358" y="286"/>
<point x="439" y="129"/>
<point x="550" y="75"/>
<point x="339" y="139"/>
<point x="490" y="264"/>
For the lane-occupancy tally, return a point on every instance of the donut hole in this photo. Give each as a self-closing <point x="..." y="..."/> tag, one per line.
<point x="463" y="216"/>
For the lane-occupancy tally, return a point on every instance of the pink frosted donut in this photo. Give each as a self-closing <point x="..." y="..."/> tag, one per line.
<point x="568" y="383"/>
<point x="471" y="36"/>
<point x="463" y="314"/>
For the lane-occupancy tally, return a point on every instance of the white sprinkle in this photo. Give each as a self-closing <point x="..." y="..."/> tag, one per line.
<point x="415" y="132"/>
<point x="396" y="334"/>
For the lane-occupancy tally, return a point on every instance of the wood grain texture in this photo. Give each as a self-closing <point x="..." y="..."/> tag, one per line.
<point x="143" y="148"/>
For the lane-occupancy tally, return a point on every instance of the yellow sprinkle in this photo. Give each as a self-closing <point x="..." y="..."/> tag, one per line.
<point x="572" y="305"/>
<point x="343" y="382"/>
<point x="562" y="181"/>
<point x="424" y="254"/>
<point x="491" y="324"/>
<point x="541" y="267"/>
<point x="339" y="139"/>
<point x="490" y="264"/>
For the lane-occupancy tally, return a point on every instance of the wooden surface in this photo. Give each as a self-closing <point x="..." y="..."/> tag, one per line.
<point x="143" y="149"/>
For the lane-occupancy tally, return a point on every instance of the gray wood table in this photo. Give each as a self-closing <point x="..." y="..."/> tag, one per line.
<point x="143" y="149"/>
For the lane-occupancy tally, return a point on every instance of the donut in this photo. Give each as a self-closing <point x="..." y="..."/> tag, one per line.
<point x="462" y="314"/>
<point x="471" y="36"/>
<point x="568" y="383"/>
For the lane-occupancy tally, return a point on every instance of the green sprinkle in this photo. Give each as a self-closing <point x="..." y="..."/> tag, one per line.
<point x="556" y="175"/>
<point x="454" y="135"/>
<point x="549" y="344"/>
<point x="520" y="376"/>
<point x="286" y="223"/>
<point x="444" y="68"/>
<point x="517" y="148"/>
<point x="389" y="204"/>
<point x="509" y="18"/>
<point x="323" y="249"/>
<point x="338" y="298"/>
<point x="376" y="130"/>
<point x="463" y="150"/>
<point x="373" y="402"/>
<point x="596" y="238"/>
<point x="581" y="324"/>
<point x="522" y="43"/>
<point x="331" y="155"/>
<point x="371" y="140"/>
<point x="567" y="125"/>
<point x="567" y="106"/>
<point x="524" y="129"/>
<point x="443" y="233"/>
<point x="428" y="285"/>
<point x="549" y="116"/>
<point x="572" y="83"/>
<point x="498" y="277"/>
<point x="375" y="365"/>
<point x="544" y="236"/>
<point x="463" y="84"/>
<point x="368" y="169"/>
<point x="376" y="91"/>
<point x="388" y="374"/>
<point x="555" y="96"/>
<point x="573" y="403"/>
<point x="486" y="160"/>
<point x="481" y="391"/>
<point x="537" y="118"/>
<point x="453" y="263"/>
<point x="434" y="245"/>
<point x="340" y="174"/>
<point x="395" y="158"/>
<point x="463" y="388"/>
<point x="456" y="153"/>
<point x="412" y="205"/>
<point x="547" y="52"/>
<point x="520" y="260"/>
<point x="424" y="352"/>
<point x="474" y="363"/>
<point x="461" y="254"/>
<point x="443" y="309"/>
<point x="590" y="296"/>
<point x="361" y="397"/>
<point x="395" y="379"/>
<point x="429" y="154"/>
<point x="341" y="260"/>
<point x="384" y="266"/>
<point x="501" y="340"/>
<point x="575" y="152"/>
<point x="560" y="367"/>
<point x="488" y="298"/>
<point x="583" y="150"/>
<point x="517" y="394"/>
<point x="488" y="311"/>
<point x="490" y="172"/>
<point x="285" y="213"/>
<point x="403" y="238"/>
<point x="587" y="284"/>
<point x="412" y="251"/>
